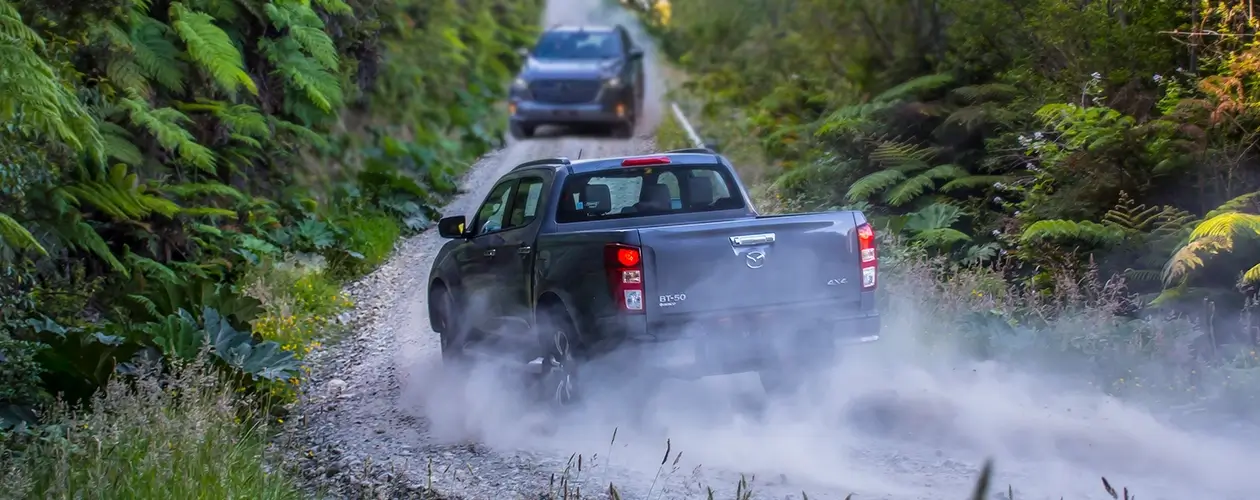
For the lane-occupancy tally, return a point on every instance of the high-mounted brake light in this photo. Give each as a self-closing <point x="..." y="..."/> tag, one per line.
<point x="868" y="255"/>
<point x="645" y="161"/>
<point x="624" y="265"/>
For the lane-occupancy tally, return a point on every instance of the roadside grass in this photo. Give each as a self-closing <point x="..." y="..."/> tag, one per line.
<point x="184" y="434"/>
<point x="567" y="484"/>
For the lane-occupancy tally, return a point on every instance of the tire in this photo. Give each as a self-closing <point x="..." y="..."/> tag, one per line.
<point x="521" y="130"/>
<point x="791" y="375"/>
<point x="782" y="381"/>
<point x="560" y="383"/>
<point x="625" y="130"/>
<point x="454" y="335"/>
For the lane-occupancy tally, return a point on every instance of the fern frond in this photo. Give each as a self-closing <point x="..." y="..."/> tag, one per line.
<point x="874" y="183"/>
<point x="211" y="48"/>
<point x="335" y="7"/>
<point x="13" y="234"/>
<point x="155" y="54"/>
<point x="987" y="92"/>
<point x="1227" y="225"/>
<point x="153" y="268"/>
<point x="895" y="153"/>
<point x="909" y="190"/>
<point x="1066" y="230"/>
<point x="36" y="100"/>
<point x="975" y="182"/>
<point x="118" y="144"/>
<point x="1190" y="256"/>
<point x="1239" y="204"/>
<point x="914" y="87"/>
<point x="1143" y="275"/>
<point x="188" y="190"/>
<point x="941" y="237"/>
<point x="1250" y="276"/>
<point x="946" y="172"/>
<point x="166" y="125"/>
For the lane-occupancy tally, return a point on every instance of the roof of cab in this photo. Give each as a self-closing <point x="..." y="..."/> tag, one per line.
<point x="692" y="156"/>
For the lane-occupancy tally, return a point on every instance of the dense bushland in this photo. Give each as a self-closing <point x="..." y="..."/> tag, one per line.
<point x="1017" y="150"/>
<point x="186" y="175"/>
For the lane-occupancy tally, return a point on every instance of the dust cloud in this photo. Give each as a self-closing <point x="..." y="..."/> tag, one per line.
<point x="890" y="419"/>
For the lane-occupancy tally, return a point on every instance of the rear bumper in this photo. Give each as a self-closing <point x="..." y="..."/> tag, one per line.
<point x="743" y="343"/>
<point x="603" y="110"/>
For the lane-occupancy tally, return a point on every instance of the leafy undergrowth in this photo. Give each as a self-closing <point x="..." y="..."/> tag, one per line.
<point x="1027" y="156"/>
<point x="177" y="175"/>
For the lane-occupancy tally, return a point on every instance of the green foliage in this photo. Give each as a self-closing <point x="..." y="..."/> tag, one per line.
<point x="1045" y="139"/>
<point x="158" y="156"/>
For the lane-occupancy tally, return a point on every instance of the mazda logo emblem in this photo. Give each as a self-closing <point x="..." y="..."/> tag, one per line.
<point x="755" y="259"/>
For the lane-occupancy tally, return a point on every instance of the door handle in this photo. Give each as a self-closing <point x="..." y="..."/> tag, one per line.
<point x="489" y="253"/>
<point x="525" y="250"/>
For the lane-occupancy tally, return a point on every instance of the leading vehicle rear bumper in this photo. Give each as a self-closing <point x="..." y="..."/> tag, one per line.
<point x="609" y="107"/>
<point x="740" y="343"/>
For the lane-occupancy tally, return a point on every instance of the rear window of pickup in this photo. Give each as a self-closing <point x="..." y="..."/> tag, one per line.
<point x="643" y="191"/>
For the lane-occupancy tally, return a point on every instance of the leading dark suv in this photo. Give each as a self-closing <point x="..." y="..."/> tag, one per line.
<point x="579" y="75"/>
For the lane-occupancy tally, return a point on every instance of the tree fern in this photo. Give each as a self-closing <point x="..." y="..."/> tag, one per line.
<point x="211" y="48"/>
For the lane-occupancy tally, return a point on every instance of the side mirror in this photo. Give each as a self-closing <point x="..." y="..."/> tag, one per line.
<point x="522" y="51"/>
<point x="452" y="227"/>
<point x="636" y="53"/>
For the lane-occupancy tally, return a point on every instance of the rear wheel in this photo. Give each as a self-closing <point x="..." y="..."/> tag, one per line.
<point x="521" y="130"/>
<point x="560" y="382"/>
<point x="790" y="375"/>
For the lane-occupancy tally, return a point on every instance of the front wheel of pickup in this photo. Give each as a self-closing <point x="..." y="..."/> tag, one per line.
<point x="452" y="333"/>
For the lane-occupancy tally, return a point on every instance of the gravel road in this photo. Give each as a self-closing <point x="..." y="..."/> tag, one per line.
<point x="378" y="414"/>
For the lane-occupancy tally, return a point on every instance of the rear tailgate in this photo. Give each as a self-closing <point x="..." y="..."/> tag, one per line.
<point x="751" y="263"/>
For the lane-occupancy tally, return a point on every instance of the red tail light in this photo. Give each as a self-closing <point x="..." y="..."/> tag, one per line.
<point x="624" y="264"/>
<point x="645" y="161"/>
<point x="868" y="256"/>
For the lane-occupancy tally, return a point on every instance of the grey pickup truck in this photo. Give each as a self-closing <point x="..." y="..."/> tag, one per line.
<point x="659" y="262"/>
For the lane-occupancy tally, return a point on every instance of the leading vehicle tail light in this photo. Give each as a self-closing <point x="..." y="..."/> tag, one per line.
<point x="624" y="264"/>
<point x="868" y="256"/>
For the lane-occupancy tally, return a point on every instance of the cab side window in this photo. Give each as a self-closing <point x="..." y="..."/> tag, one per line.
<point x="525" y="205"/>
<point x="490" y="215"/>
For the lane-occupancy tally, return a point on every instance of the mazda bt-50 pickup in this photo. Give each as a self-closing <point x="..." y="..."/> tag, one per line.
<point x="660" y="262"/>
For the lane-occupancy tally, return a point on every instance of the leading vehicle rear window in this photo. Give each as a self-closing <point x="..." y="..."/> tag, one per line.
<point x="643" y="191"/>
